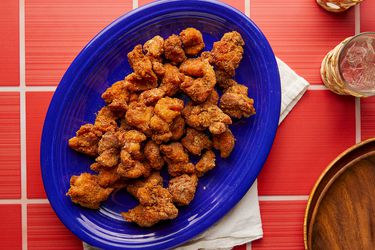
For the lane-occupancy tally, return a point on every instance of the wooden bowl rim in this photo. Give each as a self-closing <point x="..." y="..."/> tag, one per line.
<point x="310" y="206"/>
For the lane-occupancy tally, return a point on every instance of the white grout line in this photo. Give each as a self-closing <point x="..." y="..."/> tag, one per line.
<point x="28" y="89"/>
<point x="357" y="119"/>
<point x="247" y="8"/>
<point x="317" y="87"/>
<point x="23" y="123"/>
<point x="357" y="16"/>
<point x="23" y="201"/>
<point x="135" y="4"/>
<point x="283" y="197"/>
<point x="248" y="246"/>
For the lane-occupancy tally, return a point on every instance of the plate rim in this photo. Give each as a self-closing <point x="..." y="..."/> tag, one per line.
<point x="93" y="46"/>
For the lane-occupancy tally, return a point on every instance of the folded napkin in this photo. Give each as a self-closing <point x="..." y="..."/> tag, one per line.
<point x="243" y="224"/>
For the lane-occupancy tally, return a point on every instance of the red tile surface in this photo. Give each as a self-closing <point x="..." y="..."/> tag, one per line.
<point x="368" y="118"/>
<point x="242" y="247"/>
<point x="9" y="43"/>
<point x="367" y="8"/>
<point x="282" y="225"/>
<point x="46" y="232"/>
<point x="321" y="126"/>
<point x="10" y="227"/>
<point x="56" y="31"/>
<point x="10" y="164"/>
<point x="239" y="4"/>
<point x="300" y="32"/>
<point x="36" y="108"/>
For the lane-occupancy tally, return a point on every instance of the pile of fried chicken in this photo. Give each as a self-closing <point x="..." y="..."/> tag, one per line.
<point x="145" y="124"/>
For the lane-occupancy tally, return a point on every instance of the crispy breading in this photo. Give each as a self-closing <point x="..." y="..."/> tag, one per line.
<point x="86" y="140"/>
<point x="236" y="103"/>
<point x="205" y="116"/>
<point x="224" y="143"/>
<point x="182" y="188"/>
<point x="173" y="50"/>
<point x="106" y="120"/>
<point x="169" y="108"/>
<point x="192" y="40"/>
<point x="153" y="48"/>
<point x="108" y="158"/>
<point x="172" y="80"/>
<point x="152" y="154"/>
<point x="108" y="140"/>
<point x="174" y="152"/>
<point x="195" y="141"/>
<point x="180" y="168"/>
<point x="153" y="179"/>
<point x="151" y="96"/>
<point x="206" y="163"/>
<point x="200" y="87"/>
<point x="141" y="64"/>
<point x="117" y="97"/>
<point x="227" y="53"/>
<point x="86" y="191"/>
<point x="177" y="128"/>
<point x="139" y="116"/>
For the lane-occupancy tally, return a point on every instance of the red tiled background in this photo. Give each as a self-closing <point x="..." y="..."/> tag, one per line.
<point x="39" y="39"/>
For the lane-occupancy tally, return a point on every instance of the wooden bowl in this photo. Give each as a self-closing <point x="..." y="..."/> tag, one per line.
<point x="340" y="212"/>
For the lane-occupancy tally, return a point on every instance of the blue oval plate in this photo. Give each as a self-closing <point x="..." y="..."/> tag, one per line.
<point x="102" y="62"/>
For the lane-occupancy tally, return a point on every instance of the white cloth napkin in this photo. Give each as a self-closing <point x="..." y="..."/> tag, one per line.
<point x="243" y="223"/>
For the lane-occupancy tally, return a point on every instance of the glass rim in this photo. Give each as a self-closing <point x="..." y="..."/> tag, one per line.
<point x="340" y="57"/>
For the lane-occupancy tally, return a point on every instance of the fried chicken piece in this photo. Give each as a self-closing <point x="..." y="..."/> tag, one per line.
<point x="207" y="56"/>
<point x="109" y="140"/>
<point x="86" y="191"/>
<point x="223" y="80"/>
<point x="141" y="64"/>
<point x="177" y="128"/>
<point x="150" y="97"/>
<point x="86" y="140"/>
<point x="174" y="152"/>
<point x="173" y="50"/>
<point x="158" y="68"/>
<point x="147" y="216"/>
<point x="205" y="116"/>
<point x="161" y="130"/>
<point x="134" y="82"/>
<point x="180" y="168"/>
<point x="109" y="158"/>
<point x="110" y="178"/>
<point x="169" y="108"/>
<point x="139" y="116"/>
<point x="106" y="120"/>
<point x="213" y="98"/>
<point x="124" y="125"/>
<point x="224" y="143"/>
<point x="172" y="80"/>
<point x="153" y="179"/>
<point x="182" y="188"/>
<point x="135" y="170"/>
<point x="154" y="48"/>
<point x="152" y="154"/>
<point x="206" y="163"/>
<point x="197" y="89"/>
<point x="131" y="143"/>
<point x="227" y="53"/>
<point x="117" y="97"/>
<point x="155" y="202"/>
<point x="195" y="141"/>
<point x="192" y="40"/>
<point x="235" y="102"/>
